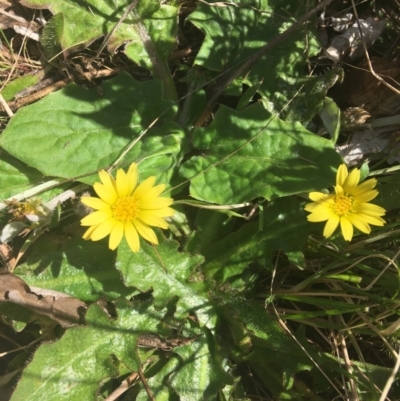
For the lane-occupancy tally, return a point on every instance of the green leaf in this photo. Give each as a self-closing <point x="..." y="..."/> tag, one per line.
<point x="235" y="31"/>
<point x="81" y="269"/>
<point x="73" y="367"/>
<point x="250" y="154"/>
<point x="82" y="131"/>
<point x="83" y="22"/>
<point x="166" y="271"/>
<point x="17" y="85"/>
<point x="15" y="176"/>
<point x="200" y="375"/>
<point x="285" y="228"/>
<point x="330" y="116"/>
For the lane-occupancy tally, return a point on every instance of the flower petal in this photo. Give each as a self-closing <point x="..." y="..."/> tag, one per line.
<point x="122" y="182"/>
<point x="153" y="193"/>
<point x="107" y="179"/>
<point x="145" y="231"/>
<point x="375" y="221"/>
<point x="341" y="174"/>
<point x="319" y="196"/>
<point x="94" y="203"/>
<point x="132" y="177"/>
<point x="150" y="219"/>
<point x="366" y="196"/>
<point x="359" y="222"/>
<point x="116" y="235"/>
<point x="371" y="209"/>
<point x="132" y="237"/>
<point x="164" y="212"/>
<point x="102" y="230"/>
<point x="144" y="187"/>
<point x="105" y="193"/>
<point x="364" y="187"/>
<point x="347" y="228"/>
<point x="331" y="225"/>
<point x="88" y="232"/>
<point x="320" y="213"/>
<point x="157" y="203"/>
<point x="352" y="180"/>
<point x="96" y="218"/>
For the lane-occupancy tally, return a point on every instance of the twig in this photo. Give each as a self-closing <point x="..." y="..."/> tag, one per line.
<point x="124" y="386"/>
<point x="5" y="106"/>
<point x="379" y="78"/>
<point x="391" y="379"/>
<point x="121" y="20"/>
<point x="146" y="386"/>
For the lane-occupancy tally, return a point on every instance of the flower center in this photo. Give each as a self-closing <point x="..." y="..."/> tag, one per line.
<point x="126" y="209"/>
<point x="343" y="205"/>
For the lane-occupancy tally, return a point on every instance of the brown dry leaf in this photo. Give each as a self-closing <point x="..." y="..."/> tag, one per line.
<point x="65" y="310"/>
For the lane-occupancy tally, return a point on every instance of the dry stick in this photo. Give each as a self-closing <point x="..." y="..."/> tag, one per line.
<point x="380" y="79"/>
<point x="146" y="386"/>
<point x="227" y="78"/>
<point x="124" y="386"/>
<point x="5" y="106"/>
<point x="116" y="26"/>
<point x="391" y="379"/>
<point x="349" y="367"/>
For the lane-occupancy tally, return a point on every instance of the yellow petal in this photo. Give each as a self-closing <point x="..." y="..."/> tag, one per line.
<point x="116" y="235"/>
<point x="153" y="193"/>
<point x="145" y="231"/>
<point x="108" y="180"/>
<point x="94" y="203"/>
<point x="105" y="193"/>
<point x="366" y="196"/>
<point x="143" y="187"/>
<point x="320" y="213"/>
<point x="150" y="219"/>
<point x="352" y="180"/>
<point x="347" y="228"/>
<point x="364" y="187"/>
<point x="122" y="184"/>
<point x="331" y="225"/>
<point x="102" y="230"/>
<point x="157" y="203"/>
<point x="132" y="237"/>
<point x="319" y="196"/>
<point x="164" y="212"/>
<point x="371" y="209"/>
<point x="88" y="232"/>
<point x="132" y="177"/>
<point x="374" y="220"/>
<point x="341" y="174"/>
<point x="96" y="218"/>
<point x="360" y="223"/>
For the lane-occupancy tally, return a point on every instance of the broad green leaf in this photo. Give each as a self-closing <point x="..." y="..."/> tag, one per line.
<point x="389" y="193"/>
<point x="83" y="22"/>
<point x="15" y="176"/>
<point x="166" y="271"/>
<point x="330" y="116"/>
<point x="17" y="85"/>
<point x="73" y="367"/>
<point x="285" y="228"/>
<point x="249" y="154"/>
<point x="235" y="31"/>
<point x="81" y="269"/>
<point x="83" y="130"/>
<point x="200" y="374"/>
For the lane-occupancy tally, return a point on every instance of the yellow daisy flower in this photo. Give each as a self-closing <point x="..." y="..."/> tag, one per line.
<point x="348" y="206"/>
<point x="126" y="209"/>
